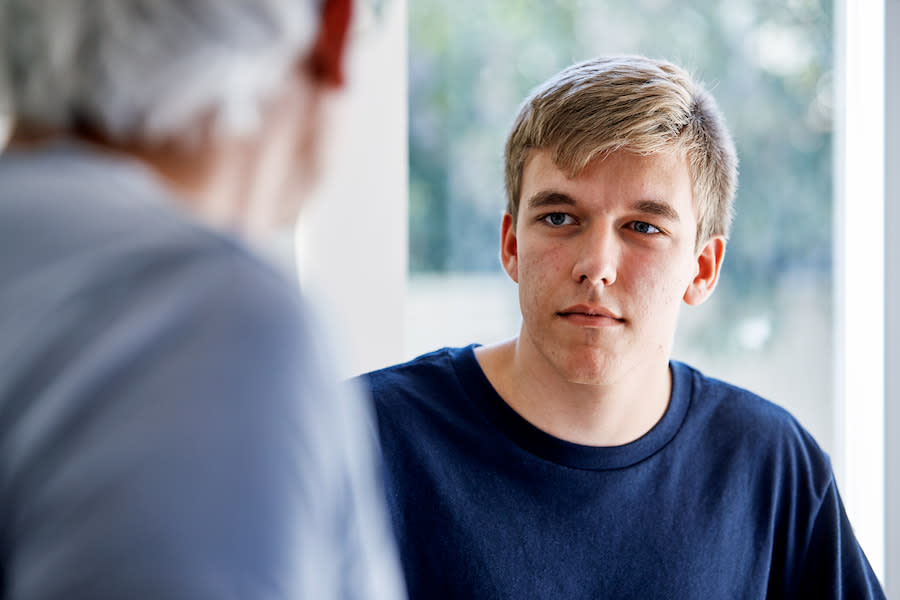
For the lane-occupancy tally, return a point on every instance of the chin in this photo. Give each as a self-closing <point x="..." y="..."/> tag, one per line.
<point x="592" y="368"/>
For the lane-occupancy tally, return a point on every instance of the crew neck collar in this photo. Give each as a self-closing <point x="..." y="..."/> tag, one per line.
<point x="548" y="447"/>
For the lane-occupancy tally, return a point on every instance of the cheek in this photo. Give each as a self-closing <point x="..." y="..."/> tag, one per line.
<point x="540" y="273"/>
<point x="655" y="283"/>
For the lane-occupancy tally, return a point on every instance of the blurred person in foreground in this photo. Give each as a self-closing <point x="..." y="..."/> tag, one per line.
<point x="578" y="461"/>
<point x="170" y="426"/>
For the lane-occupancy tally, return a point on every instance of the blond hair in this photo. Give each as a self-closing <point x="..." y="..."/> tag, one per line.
<point x="630" y="103"/>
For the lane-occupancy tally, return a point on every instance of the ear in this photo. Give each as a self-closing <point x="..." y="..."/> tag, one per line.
<point x="326" y="58"/>
<point x="509" y="247"/>
<point x="709" y="262"/>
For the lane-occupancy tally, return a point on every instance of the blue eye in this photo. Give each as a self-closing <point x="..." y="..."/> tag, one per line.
<point x="645" y="228"/>
<point x="558" y="219"/>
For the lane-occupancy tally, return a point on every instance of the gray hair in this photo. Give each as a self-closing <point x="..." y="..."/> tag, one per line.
<point x="147" y="70"/>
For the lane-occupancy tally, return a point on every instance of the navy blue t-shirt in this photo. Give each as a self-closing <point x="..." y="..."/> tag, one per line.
<point x="726" y="497"/>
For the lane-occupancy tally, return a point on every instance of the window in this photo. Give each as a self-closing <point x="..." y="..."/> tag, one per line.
<point x="770" y="66"/>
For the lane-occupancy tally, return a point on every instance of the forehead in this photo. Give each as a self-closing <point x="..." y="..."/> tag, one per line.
<point x="663" y="176"/>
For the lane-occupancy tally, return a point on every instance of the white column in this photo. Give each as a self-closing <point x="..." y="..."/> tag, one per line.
<point x="859" y="270"/>
<point x="892" y="298"/>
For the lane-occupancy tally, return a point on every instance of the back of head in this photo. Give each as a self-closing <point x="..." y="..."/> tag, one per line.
<point x="146" y="71"/>
<point x="634" y="104"/>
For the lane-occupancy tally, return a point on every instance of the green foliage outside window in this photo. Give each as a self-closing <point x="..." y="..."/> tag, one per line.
<point x="768" y="63"/>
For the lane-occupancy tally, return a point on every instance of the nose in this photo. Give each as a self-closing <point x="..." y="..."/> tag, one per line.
<point x="598" y="258"/>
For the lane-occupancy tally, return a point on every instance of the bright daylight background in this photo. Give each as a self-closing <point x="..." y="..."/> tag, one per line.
<point x="805" y="313"/>
<point x="768" y="63"/>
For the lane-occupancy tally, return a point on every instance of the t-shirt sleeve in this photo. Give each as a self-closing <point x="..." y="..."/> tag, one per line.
<point x="191" y="444"/>
<point x="835" y="565"/>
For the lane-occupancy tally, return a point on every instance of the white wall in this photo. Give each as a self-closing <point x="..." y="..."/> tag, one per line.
<point x="351" y="240"/>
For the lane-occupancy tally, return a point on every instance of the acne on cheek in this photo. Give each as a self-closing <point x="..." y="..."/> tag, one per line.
<point x="543" y="262"/>
<point x="654" y="287"/>
<point x="543" y="278"/>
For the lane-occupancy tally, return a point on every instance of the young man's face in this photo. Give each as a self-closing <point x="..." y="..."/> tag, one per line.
<point x="603" y="262"/>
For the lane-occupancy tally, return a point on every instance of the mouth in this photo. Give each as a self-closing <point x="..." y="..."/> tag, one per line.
<point x="590" y="316"/>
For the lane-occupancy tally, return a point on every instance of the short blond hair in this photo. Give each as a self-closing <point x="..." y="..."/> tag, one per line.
<point x="630" y="103"/>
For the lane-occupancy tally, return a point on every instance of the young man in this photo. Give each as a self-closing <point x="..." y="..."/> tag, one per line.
<point x="578" y="460"/>
<point x="170" y="426"/>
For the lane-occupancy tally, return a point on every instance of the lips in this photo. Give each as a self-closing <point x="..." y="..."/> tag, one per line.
<point x="590" y="315"/>
<point x="590" y="311"/>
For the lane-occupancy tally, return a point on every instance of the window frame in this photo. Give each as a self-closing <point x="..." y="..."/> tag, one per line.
<point x="867" y="286"/>
<point x="892" y="299"/>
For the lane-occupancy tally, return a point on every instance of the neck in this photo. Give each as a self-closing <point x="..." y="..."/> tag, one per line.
<point x="208" y="182"/>
<point x="205" y="181"/>
<point x="611" y="413"/>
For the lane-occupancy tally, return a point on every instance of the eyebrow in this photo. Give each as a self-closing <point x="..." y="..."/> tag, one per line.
<point x="656" y="208"/>
<point x="648" y="207"/>
<point x="550" y="198"/>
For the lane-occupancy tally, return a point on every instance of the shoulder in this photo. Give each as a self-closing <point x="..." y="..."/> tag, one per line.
<point x="434" y="370"/>
<point x="234" y="317"/>
<point x="84" y="234"/>
<point x="740" y="423"/>
<point x="426" y="387"/>
<point x="96" y="256"/>
<point x="731" y="404"/>
<point x="204" y="288"/>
